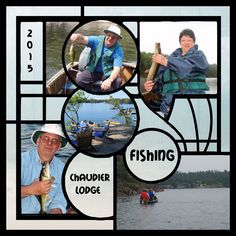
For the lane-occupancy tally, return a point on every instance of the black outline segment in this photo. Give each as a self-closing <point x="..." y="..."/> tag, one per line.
<point x="178" y="156"/>
<point x="195" y="123"/>
<point x="211" y="124"/>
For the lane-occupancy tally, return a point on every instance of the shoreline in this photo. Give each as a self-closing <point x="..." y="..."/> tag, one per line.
<point x="115" y="139"/>
<point x="123" y="194"/>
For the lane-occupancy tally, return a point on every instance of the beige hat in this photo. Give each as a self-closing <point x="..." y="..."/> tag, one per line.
<point x="114" y="29"/>
<point x="50" y="128"/>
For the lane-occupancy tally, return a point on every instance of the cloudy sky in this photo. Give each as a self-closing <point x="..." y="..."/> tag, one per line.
<point x="204" y="163"/>
<point x="167" y="33"/>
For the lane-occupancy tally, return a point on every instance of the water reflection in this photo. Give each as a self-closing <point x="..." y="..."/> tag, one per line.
<point x="56" y="33"/>
<point x="178" y="209"/>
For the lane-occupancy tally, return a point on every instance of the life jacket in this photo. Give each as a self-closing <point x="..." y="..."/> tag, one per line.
<point x="144" y="196"/>
<point x="107" y="61"/>
<point x="172" y="83"/>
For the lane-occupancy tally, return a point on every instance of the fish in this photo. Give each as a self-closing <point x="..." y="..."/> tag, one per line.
<point x="45" y="175"/>
<point x="72" y="54"/>
<point x="150" y="96"/>
<point x="154" y="67"/>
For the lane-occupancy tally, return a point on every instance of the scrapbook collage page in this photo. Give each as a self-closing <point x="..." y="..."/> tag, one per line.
<point x="118" y="117"/>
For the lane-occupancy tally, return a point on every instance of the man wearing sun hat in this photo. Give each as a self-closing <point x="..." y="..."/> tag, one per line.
<point x="106" y="58"/>
<point x="49" y="139"/>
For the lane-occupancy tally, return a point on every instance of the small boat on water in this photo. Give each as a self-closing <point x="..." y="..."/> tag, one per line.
<point x="111" y="122"/>
<point x="145" y="202"/>
<point x="61" y="84"/>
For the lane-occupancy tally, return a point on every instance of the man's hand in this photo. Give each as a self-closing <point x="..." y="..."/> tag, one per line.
<point x="36" y="188"/>
<point x="79" y="38"/>
<point x="106" y="84"/>
<point x="148" y="85"/>
<point x="41" y="187"/>
<point x="160" y="59"/>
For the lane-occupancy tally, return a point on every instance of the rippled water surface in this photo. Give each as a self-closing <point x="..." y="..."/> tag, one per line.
<point x="177" y="209"/>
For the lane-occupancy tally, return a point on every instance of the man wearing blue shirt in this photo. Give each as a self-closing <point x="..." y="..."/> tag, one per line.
<point x="49" y="139"/>
<point x="106" y="58"/>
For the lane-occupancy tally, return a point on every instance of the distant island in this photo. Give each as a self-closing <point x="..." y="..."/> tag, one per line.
<point x="128" y="185"/>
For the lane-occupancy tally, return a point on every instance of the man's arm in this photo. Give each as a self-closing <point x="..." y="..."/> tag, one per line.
<point x="115" y="73"/>
<point x="36" y="188"/>
<point x="26" y="191"/>
<point x="106" y="85"/>
<point x="79" y="38"/>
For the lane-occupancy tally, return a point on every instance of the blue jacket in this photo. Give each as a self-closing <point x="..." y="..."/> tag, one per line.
<point x="184" y="72"/>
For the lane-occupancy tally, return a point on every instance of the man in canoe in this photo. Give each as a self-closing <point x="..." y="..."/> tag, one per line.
<point x="144" y="196"/>
<point x="106" y="58"/>
<point x="152" y="195"/>
<point x="183" y="72"/>
<point x="41" y="190"/>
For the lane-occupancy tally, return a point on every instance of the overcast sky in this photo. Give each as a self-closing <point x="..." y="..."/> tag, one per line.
<point x="204" y="163"/>
<point x="167" y="33"/>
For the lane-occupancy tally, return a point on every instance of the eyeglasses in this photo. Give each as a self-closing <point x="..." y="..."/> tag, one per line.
<point x="111" y="36"/>
<point x="54" y="141"/>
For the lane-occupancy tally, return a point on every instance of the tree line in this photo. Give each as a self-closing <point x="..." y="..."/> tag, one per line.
<point x="199" y="179"/>
<point x="146" y="61"/>
<point x="80" y="97"/>
<point x="127" y="184"/>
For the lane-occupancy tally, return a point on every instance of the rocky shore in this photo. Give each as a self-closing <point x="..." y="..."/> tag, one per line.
<point x="115" y="139"/>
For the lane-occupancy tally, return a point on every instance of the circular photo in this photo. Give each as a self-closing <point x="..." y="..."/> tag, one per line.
<point x="100" y="56"/>
<point x="100" y="124"/>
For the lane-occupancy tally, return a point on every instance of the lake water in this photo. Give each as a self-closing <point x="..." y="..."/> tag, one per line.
<point x="212" y="83"/>
<point x="177" y="209"/>
<point x="98" y="112"/>
<point x="56" y="33"/>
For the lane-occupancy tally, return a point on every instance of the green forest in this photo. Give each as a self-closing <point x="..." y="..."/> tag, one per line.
<point x="127" y="184"/>
<point x="146" y="61"/>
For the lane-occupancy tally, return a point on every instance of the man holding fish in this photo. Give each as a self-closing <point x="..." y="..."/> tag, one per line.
<point x="183" y="72"/>
<point x="41" y="173"/>
<point x="106" y="58"/>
